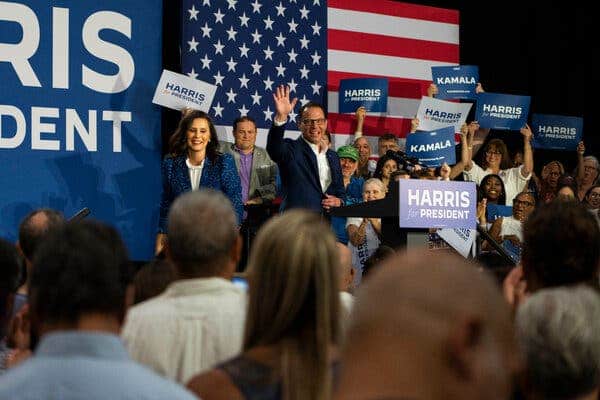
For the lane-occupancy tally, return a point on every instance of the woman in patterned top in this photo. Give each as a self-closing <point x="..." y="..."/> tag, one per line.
<point x="194" y="162"/>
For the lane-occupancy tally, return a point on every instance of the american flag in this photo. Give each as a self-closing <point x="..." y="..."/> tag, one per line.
<point x="248" y="48"/>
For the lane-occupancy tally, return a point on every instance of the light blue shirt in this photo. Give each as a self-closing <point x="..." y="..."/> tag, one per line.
<point x="78" y="365"/>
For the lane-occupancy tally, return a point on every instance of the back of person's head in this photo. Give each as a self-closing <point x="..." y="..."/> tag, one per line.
<point x="152" y="279"/>
<point x="82" y="269"/>
<point x="202" y="233"/>
<point x="379" y="255"/>
<point x="293" y="278"/>
<point x="558" y="332"/>
<point x="35" y="226"/>
<point x="9" y="282"/>
<point x="429" y="327"/>
<point x="561" y="246"/>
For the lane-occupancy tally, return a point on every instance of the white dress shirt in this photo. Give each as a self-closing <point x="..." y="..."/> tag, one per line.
<point x="193" y="325"/>
<point x="322" y="164"/>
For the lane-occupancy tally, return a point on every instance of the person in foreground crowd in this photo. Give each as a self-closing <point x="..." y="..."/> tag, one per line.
<point x="311" y="175"/>
<point x="9" y="282"/>
<point x="77" y="300"/>
<point x="497" y="161"/>
<point x="32" y="231"/>
<point x="428" y="328"/>
<point x="292" y="328"/>
<point x="152" y="279"/>
<point x="195" y="162"/>
<point x="561" y="247"/>
<point x="198" y="320"/>
<point x="558" y="332"/>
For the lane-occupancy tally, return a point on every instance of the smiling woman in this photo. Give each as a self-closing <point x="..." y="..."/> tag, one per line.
<point x="194" y="162"/>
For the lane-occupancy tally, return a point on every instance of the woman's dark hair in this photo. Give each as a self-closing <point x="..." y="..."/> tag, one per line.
<point x="376" y="258"/>
<point x="152" y="279"/>
<point x="481" y="190"/>
<point x="380" y="163"/>
<point x="178" y="141"/>
<point x="499" y="145"/>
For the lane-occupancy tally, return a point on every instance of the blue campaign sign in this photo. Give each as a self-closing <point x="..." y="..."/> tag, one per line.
<point x="456" y="82"/>
<point x="432" y="148"/>
<point x="371" y="93"/>
<point x="437" y="204"/>
<point x="494" y="211"/>
<point x="502" y="111"/>
<point x="77" y="126"/>
<point x="556" y="132"/>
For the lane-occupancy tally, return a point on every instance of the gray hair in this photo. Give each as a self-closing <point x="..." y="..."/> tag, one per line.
<point x="201" y="232"/>
<point x="559" y="333"/>
<point x="375" y="181"/>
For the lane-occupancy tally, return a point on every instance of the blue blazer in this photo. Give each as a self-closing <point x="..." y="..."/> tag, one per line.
<point x="299" y="171"/>
<point x="221" y="175"/>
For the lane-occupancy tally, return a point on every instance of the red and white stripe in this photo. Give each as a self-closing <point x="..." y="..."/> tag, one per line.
<point x="394" y="40"/>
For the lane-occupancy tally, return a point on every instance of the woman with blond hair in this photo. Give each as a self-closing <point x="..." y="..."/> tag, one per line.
<point x="292" y="327"/>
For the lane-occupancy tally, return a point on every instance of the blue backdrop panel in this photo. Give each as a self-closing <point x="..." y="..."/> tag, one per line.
<point x="77" y="126"/>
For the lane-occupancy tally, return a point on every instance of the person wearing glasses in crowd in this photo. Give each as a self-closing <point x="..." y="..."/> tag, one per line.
<point x="497" y="161"/>
<point x="587" y="172"/>
<point x="311" y="174"/>
<point x="511" y="228"/>
<point x="592" y="201"/>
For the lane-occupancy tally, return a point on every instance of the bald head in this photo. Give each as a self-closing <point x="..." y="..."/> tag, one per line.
<point x="441" y="317"/>
<point x="34" y="227"/>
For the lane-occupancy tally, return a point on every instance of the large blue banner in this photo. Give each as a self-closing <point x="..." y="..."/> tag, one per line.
<point x="370" y="93"/>
<point x="556" y="132"/>
<point x="456" y="82"/>
<point x="77" y="126"/>
<point x="437" y="204"/>
<point x="432" y="148"/>
<point x="502" y="111"/>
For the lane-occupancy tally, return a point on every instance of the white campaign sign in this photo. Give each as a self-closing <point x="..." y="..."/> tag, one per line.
<point x="179" y="91"/>
<point x="435" y="114"/>
<point x="461" y="240"/>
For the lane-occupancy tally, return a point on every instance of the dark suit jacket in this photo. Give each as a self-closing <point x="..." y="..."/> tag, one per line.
<point x="262" y="174"/>
<point x="220" y="175"/>
<point x="299" y="171"/>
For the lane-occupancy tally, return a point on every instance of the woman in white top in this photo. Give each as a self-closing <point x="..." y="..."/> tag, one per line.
<point x="497" y="161"/>
<point x="364" y="232"/>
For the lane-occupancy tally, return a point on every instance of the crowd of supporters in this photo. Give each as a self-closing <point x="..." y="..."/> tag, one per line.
<point x="327" y="309"/>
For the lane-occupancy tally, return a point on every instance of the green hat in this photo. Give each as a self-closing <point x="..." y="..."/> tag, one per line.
<point x="348" y="152"/>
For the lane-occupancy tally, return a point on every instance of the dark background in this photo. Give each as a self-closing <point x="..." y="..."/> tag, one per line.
<point x="522" y="48"/>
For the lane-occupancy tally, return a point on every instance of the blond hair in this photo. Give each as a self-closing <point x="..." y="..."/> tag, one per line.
<point x="294" y="301"/>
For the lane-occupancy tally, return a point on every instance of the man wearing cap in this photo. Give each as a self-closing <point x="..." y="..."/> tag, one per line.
<point x="353" y="186"/>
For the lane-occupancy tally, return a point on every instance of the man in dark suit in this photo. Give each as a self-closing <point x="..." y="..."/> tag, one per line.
<point x="310" y="173"/>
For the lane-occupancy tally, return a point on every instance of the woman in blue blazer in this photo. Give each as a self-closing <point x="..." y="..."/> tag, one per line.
<point x="194" y="162"/>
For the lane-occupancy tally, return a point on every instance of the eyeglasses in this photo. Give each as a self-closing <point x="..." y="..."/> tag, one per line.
<point x="594" y="194"/>
<point x="493" y="153"/>
<point x="522" y="203"/>
<point x="317" y="121"/>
